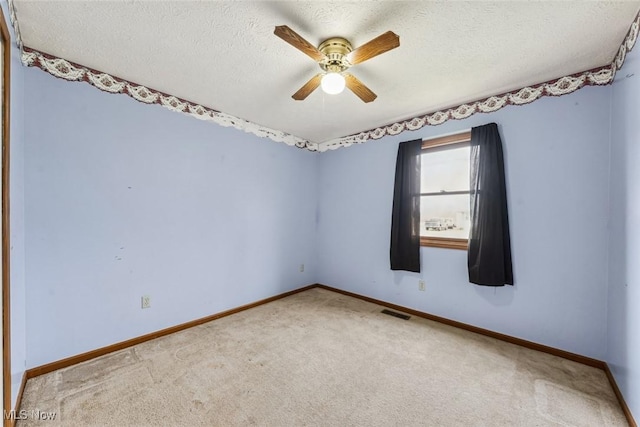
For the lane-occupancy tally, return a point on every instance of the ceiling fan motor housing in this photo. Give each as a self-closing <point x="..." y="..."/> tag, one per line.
<point x="336" y="50"/>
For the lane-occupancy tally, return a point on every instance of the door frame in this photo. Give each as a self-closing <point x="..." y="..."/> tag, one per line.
<point x="6" y="313"/>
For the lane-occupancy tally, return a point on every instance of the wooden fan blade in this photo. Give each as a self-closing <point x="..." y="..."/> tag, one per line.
<point x="357" y="87"/>
<point x="308" y="87"/>
<point x="295" y="40"/>
<point x="375" y="47"/>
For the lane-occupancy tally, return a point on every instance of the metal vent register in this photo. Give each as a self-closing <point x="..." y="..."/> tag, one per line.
<point x="396" y="314"/>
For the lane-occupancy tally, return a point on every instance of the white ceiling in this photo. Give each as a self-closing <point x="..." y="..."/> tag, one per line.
<point x="223" y="54"/>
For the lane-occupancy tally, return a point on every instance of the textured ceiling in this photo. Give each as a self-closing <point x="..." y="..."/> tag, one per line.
<point x="224" y="55"/>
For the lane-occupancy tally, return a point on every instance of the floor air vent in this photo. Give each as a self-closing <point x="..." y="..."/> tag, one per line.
<point x="396" y="314"/>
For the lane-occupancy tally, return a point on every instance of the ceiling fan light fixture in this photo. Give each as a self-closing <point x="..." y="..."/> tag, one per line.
<point x="335" y="56"/>
<point x="332" y="83"/>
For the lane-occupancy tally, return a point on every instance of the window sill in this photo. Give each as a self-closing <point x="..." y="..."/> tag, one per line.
<point x="440" y="242"/>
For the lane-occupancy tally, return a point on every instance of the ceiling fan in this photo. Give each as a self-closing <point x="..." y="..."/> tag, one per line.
<point x="335" y="56"/>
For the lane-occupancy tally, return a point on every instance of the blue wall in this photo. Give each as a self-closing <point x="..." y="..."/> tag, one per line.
<point x="556" y="153"/>
<point x="124" y="199"/>
<point x="623" y="342"/>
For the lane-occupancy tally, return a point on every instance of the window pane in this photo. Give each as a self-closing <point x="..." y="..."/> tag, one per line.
<point x="446" y="170"/>
<point x="445" y="216"/>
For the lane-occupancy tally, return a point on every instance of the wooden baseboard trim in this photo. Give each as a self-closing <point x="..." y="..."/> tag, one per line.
<point x="618" y="393"/>
<point x="53" y="366"/>
<point x="69" y="361"/>
<point x="508" y="338"/>
<point x="23" y="383"/>
<point x="513" y="340"/>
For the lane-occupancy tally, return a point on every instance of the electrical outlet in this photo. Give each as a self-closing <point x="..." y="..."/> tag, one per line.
<point x="146" y="301"/>
<point x="301" y="268"/>
<point x="421" y="285"/>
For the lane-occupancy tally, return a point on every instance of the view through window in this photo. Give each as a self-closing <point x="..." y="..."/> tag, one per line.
<point x="444" y="192"/>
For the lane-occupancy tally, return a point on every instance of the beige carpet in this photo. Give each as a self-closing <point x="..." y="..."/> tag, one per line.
<point x="322" y="358"/>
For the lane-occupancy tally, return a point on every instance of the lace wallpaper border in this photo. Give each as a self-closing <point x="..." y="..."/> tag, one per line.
<point x="64" y="69"/>
<point x="67" y="70"/>
<point x="562" y="86"/>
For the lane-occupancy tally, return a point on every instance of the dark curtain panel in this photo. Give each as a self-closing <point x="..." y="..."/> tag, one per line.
<point x="405" y="220"/>
<point x="489" y="253"/>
